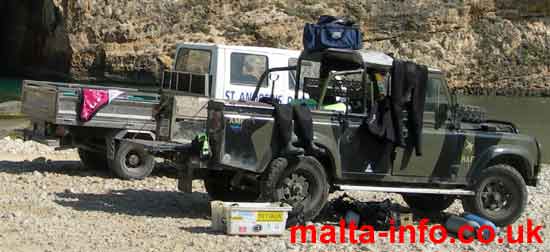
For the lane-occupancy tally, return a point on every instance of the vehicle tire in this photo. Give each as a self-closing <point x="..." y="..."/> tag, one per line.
<point x="428" y="203"/>
<point x="218" y="186"/>
<point x="500" y="195"/>
<point x="132" y="162"/>
<point x="302" y="184"/>
<point x="93" y="160"/>
<point x="473" y="114"/>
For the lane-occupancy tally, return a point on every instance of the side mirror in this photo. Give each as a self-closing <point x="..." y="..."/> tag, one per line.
<point x="441" y="115"/>
<point x="273" y="77"/>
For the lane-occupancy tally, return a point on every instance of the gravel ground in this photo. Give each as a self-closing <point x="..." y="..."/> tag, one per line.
<point x="49" y="202"/>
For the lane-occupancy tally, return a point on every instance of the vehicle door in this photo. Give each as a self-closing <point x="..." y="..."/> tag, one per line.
<point x="440" y="154"/>
<point x="362" y="154"/>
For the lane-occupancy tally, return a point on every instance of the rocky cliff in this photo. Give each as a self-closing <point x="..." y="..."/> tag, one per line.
<point x="495" y="46"/>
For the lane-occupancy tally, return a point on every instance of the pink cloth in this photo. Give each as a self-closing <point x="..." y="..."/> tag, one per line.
<point x="95" y="99"/>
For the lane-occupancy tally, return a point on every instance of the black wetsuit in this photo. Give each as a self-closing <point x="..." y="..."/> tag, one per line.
<point x="301" y="115"/>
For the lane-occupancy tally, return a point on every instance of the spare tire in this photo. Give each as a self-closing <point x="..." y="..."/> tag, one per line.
<point x="473" y="114"/>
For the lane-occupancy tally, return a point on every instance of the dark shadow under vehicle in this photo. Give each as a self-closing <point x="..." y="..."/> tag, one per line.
<point x="139" y="203"/>
<point x="70" y="168"/>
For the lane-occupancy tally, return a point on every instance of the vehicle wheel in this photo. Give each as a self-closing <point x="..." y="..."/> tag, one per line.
<point x="473" y="114"/>
<point x="302" y="184"/>
<point x="428" y="203"/>
<point x="500" y="195"/>
<point x="92" y="160"/>
<point x="132" y="162"/>
<point x="218" y="186"/>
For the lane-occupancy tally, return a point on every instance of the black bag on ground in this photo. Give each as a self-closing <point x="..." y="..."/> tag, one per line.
<point x="376" y="214"/>
<point x="332" y="32"/>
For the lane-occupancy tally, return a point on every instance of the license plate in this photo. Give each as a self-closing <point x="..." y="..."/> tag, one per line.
<point x="269" y="216"/>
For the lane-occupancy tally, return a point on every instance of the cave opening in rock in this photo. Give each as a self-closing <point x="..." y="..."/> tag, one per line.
<point x="33" y="41"/>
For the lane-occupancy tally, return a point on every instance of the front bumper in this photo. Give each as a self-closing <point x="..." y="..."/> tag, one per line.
<point x="536" y="180"/>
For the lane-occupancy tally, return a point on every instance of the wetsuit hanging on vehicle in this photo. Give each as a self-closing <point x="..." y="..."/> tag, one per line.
<point x="300" y="114"/>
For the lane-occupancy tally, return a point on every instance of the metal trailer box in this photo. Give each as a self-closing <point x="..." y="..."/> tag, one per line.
<point x="183" y="116"/>
<point x="59" y="103"/>
<point x="243" y="218"/>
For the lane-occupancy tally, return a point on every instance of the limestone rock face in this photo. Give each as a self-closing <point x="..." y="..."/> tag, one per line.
<point x="483" y="45"/>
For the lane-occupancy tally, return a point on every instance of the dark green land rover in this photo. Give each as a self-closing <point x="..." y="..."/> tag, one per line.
<point x="485" y="163"/>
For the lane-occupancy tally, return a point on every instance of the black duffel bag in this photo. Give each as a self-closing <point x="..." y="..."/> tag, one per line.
<point x="332" y="32"/>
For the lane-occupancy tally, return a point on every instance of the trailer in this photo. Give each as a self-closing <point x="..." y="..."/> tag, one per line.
<point x="200" y="72"/>
<point x="53" y="109"/>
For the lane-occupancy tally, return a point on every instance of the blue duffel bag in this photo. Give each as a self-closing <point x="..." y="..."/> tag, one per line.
<point x="332" y="32"/>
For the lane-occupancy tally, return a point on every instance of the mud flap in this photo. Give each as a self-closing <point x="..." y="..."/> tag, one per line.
<point x="110" y="145"/>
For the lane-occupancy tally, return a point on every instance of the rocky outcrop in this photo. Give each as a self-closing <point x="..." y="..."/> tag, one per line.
<point x="33" y="39"/>
<point x="499" y="46"/>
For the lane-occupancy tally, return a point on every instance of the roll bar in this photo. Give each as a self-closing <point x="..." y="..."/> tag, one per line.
<point x="265" y="74"/>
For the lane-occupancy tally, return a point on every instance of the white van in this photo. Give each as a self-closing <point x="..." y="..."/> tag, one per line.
<point x="234" y="71"/>
<point x="202" y="72"/>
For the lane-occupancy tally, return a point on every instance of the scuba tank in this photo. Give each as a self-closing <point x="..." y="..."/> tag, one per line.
<point x="454" y="223"/>
<point x="482" y="222"/>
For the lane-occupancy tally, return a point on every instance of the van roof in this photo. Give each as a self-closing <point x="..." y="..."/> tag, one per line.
<point x="371" y="57"/>
<point x="252" y="49"/>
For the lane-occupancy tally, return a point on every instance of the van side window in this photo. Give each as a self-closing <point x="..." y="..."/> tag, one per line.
<point x="309" y="72"/>
<point x="246" y="69"/>
<point x="193" y="61"/>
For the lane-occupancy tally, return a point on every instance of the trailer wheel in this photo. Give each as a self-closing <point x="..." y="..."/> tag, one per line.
<point x="132" y="162"/>
<point x="218" y="186"/>
<point x="302" y="184"/>
<point x="93" y="160"/>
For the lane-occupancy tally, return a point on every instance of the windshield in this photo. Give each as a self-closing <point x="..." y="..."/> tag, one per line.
<point x="309" y="69"/>
<point x="344" y="92"/>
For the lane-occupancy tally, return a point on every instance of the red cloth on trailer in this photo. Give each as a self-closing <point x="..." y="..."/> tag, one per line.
<point x="95" y="99"/>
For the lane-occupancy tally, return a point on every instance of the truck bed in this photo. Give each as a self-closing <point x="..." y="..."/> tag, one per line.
<point x="59" y="103"/>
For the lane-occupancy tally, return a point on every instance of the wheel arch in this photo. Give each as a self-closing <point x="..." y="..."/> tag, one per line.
<point x="516" y="161"/>
<point x="113" y="139"/>
<point x="328" y="162"/>
<point x="515" y="158"/>
<point x="138" y="134"/>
